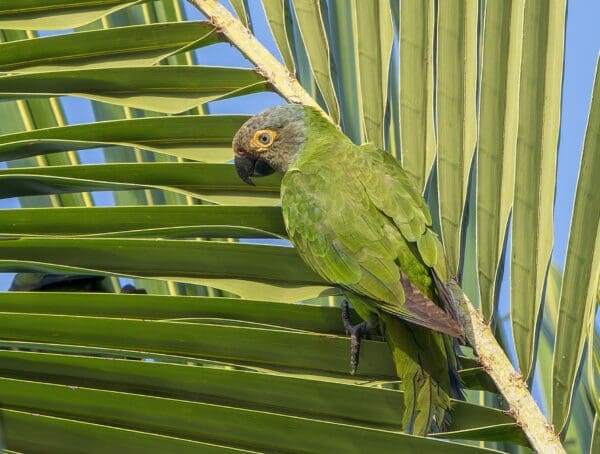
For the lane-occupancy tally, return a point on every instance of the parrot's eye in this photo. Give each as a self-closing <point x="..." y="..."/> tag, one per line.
<point x="264" y="138"/>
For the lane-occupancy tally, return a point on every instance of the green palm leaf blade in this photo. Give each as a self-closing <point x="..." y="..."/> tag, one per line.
<point x="41" y="113"/>
<point x="323" y="319"/>
<point x="253" y="390"/>
<point x="545" y="347"/>
<point x="252" y="289"/>
<point x="593" y="361"/>
<point x="312" y="30"/>
<point x="504" y="433"/>
<point x="137" y="45"/>
<point x="249" y="429"/>
<point x="284" y="277"/>
<point x="498" y="124"/>
<point x="19" y="185"/>
<point x="26" y="185"/>
<point x="165" y="11"/>
<point x="595" y="444"/>
<point x="165" y="257"/>
<point x="393" y="133"/>
<point x="211" y="221"/>
<point x="344" y="50"/>
<point x="322" y="354"/>
<point x="455" y="116"/>
<point x="417" y="27"/>
<point x="200" y="138"/>
<point x="217" y="183"/>
<point x="535" y="169"/>
<point x="241" y="11"/>
<point x="274" y="348"/>
<point x="376" y="37"/>
<point x="582" y="270"/>
<point x="275" y="11"/>
<point x="169" y="89"/>
<point x="56" y="14"/>
<point x="21" y="116"/>
<point x="65" y="435"/>
<point x="579" y="430"/>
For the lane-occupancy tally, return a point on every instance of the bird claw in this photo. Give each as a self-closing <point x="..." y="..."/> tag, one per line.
<point x="356" y="333"/>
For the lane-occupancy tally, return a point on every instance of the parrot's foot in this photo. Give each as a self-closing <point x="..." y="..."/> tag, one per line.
<point x="356" y="332"/>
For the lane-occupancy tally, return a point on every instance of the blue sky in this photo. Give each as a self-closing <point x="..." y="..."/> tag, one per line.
<point x="582" y="48"/>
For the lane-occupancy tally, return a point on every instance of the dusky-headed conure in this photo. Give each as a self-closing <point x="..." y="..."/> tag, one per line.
<point x="357" y="220"/>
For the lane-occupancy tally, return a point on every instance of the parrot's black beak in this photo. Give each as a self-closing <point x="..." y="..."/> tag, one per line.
<point x="247" y="167"/>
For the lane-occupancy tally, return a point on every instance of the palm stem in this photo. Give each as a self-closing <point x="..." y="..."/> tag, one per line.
<point x="509" y="382"/>
<point x="266" y="64"/>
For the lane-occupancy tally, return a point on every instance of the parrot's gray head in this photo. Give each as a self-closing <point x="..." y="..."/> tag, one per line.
<point x="269" y="141"/>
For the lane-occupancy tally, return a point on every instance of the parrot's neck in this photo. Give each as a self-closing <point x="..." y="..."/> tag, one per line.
<point x="321" y="140"/>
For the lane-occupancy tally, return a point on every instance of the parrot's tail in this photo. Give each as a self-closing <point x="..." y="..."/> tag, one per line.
<point x="426" y="364"/>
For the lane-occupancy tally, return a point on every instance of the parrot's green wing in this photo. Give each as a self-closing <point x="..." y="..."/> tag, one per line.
<point x="357" y="220"/>
<point x="365" y="228"/>
<point x="389" y="187"/>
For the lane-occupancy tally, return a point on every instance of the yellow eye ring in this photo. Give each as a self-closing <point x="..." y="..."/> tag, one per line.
<point x="263" y="139"/>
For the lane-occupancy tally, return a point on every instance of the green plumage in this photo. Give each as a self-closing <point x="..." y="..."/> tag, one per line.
<point x="358" y="221"/>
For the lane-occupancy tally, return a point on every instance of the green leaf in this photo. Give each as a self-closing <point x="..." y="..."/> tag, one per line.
<point x="278" y="349"/>
<point x="312" y="30"/>
<point x="285" y="394"/>
<point x="211" y="221"/>
<point x="169" y="89"/>
<point x="505" y="433"/>
<point x="456" y="86"/>
<point x="344" y="51"/>
<point x="65" y="435"/>
<point x="323" y="319"/>
<point x="221" y="424"/>
<point x="375" y="40"/>
<point x="28" y="115"/>
<point x="417" y="27"/>
<point x="19" y="185"/>
<point x="582" y="270"/>
<point x="240" y="10"/>
<point x="278" y="273"/>
<point x="214" y="182"/>
<point x="545" y="348"/>
<point x="535" y="169"/>
<point x="136" y="45"/>
<point x="56" y="14"/>
<point x="275" y="12"/>
<point x="593" y="361"/>
<point x="162" y="258"/>
<point x="498" y="125"/>
<point x="201" y="138"/>
<point x="595" y="444"/>
<point x="272" y="348"/>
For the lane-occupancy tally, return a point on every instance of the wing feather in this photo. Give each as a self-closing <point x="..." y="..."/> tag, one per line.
<point x="362" y="228"/>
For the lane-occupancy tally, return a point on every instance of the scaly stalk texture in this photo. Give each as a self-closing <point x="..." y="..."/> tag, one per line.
<point x="509" y="382"/>
<point x="266" y="64"/>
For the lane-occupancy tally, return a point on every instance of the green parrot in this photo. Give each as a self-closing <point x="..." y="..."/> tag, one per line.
<point x="357" y="220"/>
